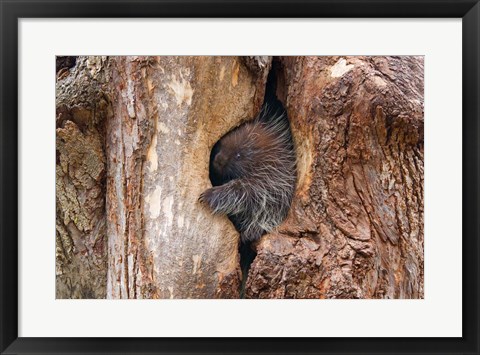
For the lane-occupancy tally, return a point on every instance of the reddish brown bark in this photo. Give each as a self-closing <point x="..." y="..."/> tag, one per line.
<point x="356" y="225"/>
<point x="134" y="136"/>
<point x="167" y="114"/>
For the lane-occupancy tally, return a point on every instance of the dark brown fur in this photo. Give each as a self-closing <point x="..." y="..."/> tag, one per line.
<point x="254" y="168"/>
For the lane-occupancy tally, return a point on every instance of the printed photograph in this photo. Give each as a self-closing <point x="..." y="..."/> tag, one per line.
<point x="249" y="177"/>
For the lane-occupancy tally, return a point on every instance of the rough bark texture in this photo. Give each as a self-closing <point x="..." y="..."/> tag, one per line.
<point x="80" y="180"/>
<point x="355" y="229"/>
<point x="168" y="112"/>
<point x="134" y="136"/>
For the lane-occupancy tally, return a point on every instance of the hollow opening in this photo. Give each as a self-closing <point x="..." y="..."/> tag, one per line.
<point x="275" y="84"/>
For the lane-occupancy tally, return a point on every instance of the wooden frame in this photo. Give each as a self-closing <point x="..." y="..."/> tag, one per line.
<point x="11" y="11"/>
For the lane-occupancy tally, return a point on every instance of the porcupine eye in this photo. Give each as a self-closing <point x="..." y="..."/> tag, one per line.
<point x="237" y="156"/>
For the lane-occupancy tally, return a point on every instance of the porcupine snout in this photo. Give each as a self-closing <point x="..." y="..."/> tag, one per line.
<point x="220" y="161"/>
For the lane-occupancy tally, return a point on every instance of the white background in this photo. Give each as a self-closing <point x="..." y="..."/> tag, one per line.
<point x="439" y="314"/>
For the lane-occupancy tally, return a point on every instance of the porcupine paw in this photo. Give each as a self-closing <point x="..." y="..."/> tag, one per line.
<point x="208" y="197"/>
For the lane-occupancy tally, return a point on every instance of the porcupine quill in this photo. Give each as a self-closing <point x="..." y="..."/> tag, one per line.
<point x="254" y="170"/>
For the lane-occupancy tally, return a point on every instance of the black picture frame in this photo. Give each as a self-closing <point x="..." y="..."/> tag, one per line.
<point x="11" y="11"/>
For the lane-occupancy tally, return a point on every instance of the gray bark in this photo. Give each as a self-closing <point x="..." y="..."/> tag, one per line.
<point x="80" y="181"/>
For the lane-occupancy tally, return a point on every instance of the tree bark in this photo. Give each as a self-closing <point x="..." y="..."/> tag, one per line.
<point x="80" y="179"/>
<point x="168" y="113"/>
<point x="134" y="136"/>
<point x="356" y="224"/>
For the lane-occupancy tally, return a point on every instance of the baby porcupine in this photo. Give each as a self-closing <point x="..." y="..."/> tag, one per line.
<point x="254" y="166"/>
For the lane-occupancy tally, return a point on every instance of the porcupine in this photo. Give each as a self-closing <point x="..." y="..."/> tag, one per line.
<point x="255" y="169"/>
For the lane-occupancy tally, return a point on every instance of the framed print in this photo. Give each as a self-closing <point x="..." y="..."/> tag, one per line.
<point x="239" y="178"/>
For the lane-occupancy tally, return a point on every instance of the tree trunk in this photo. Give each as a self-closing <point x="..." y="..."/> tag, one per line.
<point x="356" y="224"/>
<point x="168" y="112"/>
<point x="80" y="179"/>
<point x="134" y="136"/>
